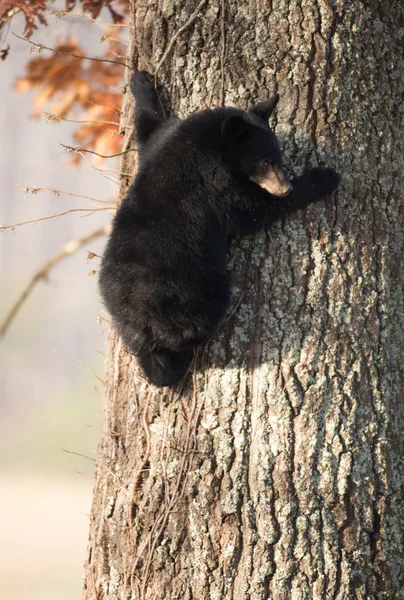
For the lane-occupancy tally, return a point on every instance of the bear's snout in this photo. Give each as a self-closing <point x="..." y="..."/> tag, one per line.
<point x="275" y="182"/>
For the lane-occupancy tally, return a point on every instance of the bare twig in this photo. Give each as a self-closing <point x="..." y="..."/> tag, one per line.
<point x="42" y="47"/>
<point x="114" y="475"/>
<point x="62" y="13"/>
<point x="78" y="454"/>
<point x="115" y="173"/>
<point x="67" y="250"/>
<point x="178" y="33"/>
<point x="91" y="426"/>
<point x="80" y="363"/>
<point x="114" y="53"/>
<point x="55" y="119"/>
<point x="101" y="171"/>
<point x="83" y="474"/>
<point x="79" y="149"/>
<point x="35" y="190"/>
<point x="62" y="214"/>
<point x="108" y="37"/>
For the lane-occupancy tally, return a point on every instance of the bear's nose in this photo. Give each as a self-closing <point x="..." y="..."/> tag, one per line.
<point x="287" y="191"/>
<point x="275" y="182"/>
<point x="280" y="184"/>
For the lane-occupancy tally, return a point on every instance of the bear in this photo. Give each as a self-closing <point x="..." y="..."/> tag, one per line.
<point x="201" y="181"/>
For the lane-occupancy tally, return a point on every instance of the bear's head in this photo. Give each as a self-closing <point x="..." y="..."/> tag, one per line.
<point x="253" y="149"/>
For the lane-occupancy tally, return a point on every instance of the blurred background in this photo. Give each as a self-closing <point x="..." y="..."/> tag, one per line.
<point x="49" y="401"/>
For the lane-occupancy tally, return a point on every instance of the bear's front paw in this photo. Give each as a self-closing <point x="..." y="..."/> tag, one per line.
<point x="142" y="82"/>
<point x="323" y="181"/>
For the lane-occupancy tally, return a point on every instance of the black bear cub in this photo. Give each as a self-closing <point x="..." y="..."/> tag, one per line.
<point x="201" y="180"/>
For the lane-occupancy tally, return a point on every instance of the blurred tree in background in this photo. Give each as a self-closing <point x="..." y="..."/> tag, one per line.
<point x="46" y="398"/>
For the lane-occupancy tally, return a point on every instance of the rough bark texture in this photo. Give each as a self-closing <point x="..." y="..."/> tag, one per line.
<point x="277" y="471"/>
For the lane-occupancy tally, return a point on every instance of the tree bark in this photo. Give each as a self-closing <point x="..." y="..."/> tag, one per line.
<point x="276" y="470"/>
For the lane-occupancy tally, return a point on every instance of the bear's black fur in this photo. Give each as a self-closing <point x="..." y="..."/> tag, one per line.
<point x="201" y="181"/>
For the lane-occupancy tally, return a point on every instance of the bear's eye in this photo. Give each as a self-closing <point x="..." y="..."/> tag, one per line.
<point x="264" y="163"/>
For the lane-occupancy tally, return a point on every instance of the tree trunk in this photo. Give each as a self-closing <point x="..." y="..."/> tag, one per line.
<point x="276" y="471"/>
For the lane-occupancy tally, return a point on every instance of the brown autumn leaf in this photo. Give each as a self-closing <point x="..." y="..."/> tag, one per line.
<point x="94" y="7"/>
<point x="33" y="11"/>
<point x="4" y="53"/>
<point x="73" y="88"/>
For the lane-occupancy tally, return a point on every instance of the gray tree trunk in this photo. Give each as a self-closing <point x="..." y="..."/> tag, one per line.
<point x="277" y="471"/>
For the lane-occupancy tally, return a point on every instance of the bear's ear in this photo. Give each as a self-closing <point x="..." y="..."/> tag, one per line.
<point x="234" y="128"/>
<point x="264" y="109"/>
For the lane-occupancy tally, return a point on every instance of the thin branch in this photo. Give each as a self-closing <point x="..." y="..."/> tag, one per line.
<point x="63" y="13"/>
<point x="35" y="190"/>
<point x="91" y="211"/>
<point x="94" y="372"/>
<point x="107" y="37"/>
<point x="83" y="474"/>
<point x="78" y="454"/>
<point x="79" y="149"/>
<point x="42" y="47"/>
<point x="101" y="171"/>
<point x="91" y="426"/>
<point x="114" y="475"/>
<point x="115" y="173"/>
<point x="62" y="214"/>
<point x="55" y="119"/>
<point x="67" y="250"/>
<point x="178" y="33"/>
